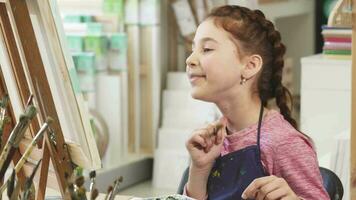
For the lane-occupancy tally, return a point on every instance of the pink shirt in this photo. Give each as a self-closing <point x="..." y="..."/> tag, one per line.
<point x="285" y="153"/>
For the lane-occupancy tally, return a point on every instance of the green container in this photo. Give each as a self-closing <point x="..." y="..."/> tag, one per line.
<point x="75" y="43"/>
<point x="85" y="71"/>
<point x="84" y="62"/>
<point x="96" y="43"/>
<point x="118" y="41"/>
<point x="114" y="7"/>
<point x="87" y="82"/>
<point x="87" y="18"/>
<point x="72" y="19"/>
<point x="118" y="52"/>
<point x="77" y="18"/>
<point x="94" y="28"/>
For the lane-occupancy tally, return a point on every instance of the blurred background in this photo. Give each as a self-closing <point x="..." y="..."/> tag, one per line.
<point x="130" y="57"/>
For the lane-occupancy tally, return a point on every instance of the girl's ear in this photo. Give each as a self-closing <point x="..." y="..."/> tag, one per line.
<point x="253" y="66"/>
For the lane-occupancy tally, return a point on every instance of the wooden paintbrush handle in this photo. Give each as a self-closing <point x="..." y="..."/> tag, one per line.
<point x="4" y="154"/>
<point x="24" y="157"/>
<point x="7" y="162"/>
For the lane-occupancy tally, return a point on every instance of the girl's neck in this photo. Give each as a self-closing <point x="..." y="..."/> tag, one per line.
<point x="240" y="112"/>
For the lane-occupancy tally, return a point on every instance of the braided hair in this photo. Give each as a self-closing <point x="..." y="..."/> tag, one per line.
<point x="257" y="35"/>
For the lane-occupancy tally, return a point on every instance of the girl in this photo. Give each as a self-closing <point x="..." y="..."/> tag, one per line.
<point x="237" y="63"/>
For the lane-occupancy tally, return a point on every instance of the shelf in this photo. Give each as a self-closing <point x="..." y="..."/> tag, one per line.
<point x="134" y="168"/>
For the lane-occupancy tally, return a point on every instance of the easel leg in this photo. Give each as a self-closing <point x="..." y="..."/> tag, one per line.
<point x="44" y="173"/>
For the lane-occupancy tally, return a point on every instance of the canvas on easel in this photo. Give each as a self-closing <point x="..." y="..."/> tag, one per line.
<point x="63" y="80"/>
<point x="35" y="60"/>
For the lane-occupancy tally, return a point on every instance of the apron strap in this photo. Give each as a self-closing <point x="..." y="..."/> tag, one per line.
<point x="259" y="131"/>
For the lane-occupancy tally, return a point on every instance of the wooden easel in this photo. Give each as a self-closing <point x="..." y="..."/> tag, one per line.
<point x="16" y="11"/>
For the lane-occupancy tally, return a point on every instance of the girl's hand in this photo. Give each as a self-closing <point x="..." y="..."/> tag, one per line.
<point x="205" y="145"/>
<point x="269" y="188"/>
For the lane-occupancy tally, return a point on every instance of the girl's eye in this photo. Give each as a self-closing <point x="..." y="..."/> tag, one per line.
<point x="206" y="50"/>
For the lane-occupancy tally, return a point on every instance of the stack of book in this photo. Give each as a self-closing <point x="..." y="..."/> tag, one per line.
<point x="337" y="42"/>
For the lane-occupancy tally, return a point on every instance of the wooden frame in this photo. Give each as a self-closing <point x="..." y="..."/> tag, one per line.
<point x="3" y="90"/>
<point x="40" y="64"/>
<point x="68" y="99"/>
<point x="24" y="89"/>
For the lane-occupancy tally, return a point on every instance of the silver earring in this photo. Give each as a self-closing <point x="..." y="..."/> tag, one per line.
<point x="243" y="80"/>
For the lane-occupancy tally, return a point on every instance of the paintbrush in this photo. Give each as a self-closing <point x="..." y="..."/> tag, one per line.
<point x="4" y="101"/>
<point x="11" y="184"/>
<point x="3" y="104"/>
<point x="94" y="194"/>
<point x="15" y="138"/>
<point x="116" y="187"/>
<point x="3" y="122"/>
<point x="30" y="148"/>
<point x="70" y="194"/>
<point x="73" y="195"/>
<point x="79" y="189"/>
<point x="2" y="189"/>
<point x="15" y="194"/>
<point x="34" y="142"/>
<point x="110" y="188"/>
<point x="3" y="119"/>
<point x="28" y="184"/>
<point x="92" y="176"/>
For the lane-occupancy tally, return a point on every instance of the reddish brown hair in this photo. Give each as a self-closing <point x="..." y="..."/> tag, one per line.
<point x="257" y="35"/>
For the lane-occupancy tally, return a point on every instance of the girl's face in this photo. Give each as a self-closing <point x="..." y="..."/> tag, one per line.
<point x="214" y="67"/>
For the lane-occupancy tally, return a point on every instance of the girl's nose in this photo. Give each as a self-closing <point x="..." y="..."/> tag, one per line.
<point x="192" y="61"/>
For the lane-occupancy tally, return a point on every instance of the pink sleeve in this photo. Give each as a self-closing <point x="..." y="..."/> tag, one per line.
<point x="296" y="162"/>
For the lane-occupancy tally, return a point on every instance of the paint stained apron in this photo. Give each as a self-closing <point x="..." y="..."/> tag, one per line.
<point x="233" y="172"/>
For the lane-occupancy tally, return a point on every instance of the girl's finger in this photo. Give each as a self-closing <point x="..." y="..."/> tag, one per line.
<point x="221" y="134"/>
<point x="210" y="129"/>
<point x="209" y="145"/>
<point x="276" y="194"/>
<point x="207" y="140"/>
<point x="214" y="127"/>
<point x="253" y="188"/>
<point x="196" y="140"/>
<point x="268" y="188"/>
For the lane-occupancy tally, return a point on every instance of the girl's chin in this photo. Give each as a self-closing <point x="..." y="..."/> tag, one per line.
<point x="200" y="95"/>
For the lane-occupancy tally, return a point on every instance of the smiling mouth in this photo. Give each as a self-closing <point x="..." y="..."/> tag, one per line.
<point x="194" y="78"/>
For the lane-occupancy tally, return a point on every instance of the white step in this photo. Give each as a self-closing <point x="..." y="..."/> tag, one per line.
<point x="181" y="119"/>
<point x="174" y="139"/>
<point x="177" y="81"/>
<point x="182" y="99"/>
<point x="168" y="168"/>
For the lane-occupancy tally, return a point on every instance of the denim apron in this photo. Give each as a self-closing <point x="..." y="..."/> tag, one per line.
<point x="233" y="172"/>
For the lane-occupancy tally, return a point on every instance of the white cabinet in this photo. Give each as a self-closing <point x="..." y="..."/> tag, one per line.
<point x="326" y="112"/>
<point x="325" y="102"/>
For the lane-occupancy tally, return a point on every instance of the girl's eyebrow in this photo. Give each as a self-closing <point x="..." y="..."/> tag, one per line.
<point x="205" y="39"/>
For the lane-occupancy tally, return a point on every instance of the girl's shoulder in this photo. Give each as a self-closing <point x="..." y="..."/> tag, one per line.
<point x="278" y="131"/>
